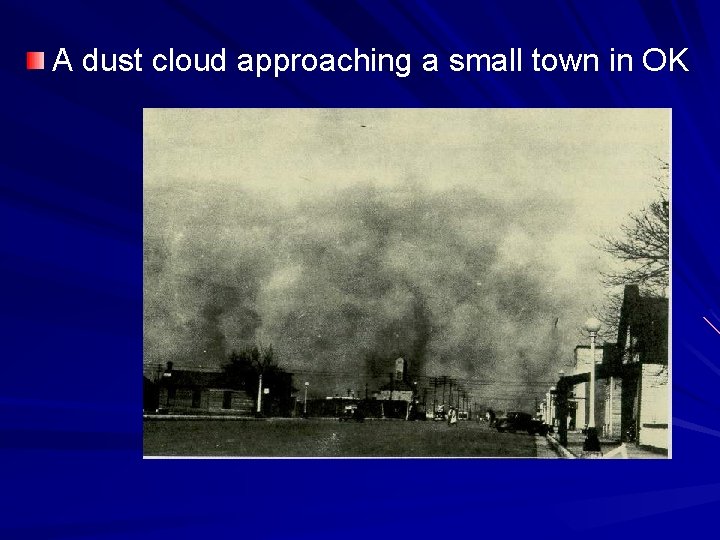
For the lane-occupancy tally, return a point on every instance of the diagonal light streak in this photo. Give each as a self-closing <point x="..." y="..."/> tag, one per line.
<point x="712" y="325"/>
<point x="679" y="422"/>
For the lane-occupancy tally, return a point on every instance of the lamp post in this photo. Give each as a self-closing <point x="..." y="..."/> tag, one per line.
<point x="258" y="410"/>
<point x="592" y="443"/>
<point x="305" y="401"/>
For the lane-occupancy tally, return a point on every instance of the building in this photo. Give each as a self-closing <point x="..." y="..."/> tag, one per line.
<point x="398" y="389"/>
<point x="610" y="398"/>
<point x="570" y="400"/>
<point x="398" y="396"/>
<point x="632" y="392"/>
<point x="150" y="395"/>
<point x="186" y="391"/>
<point x="641" y="362"/>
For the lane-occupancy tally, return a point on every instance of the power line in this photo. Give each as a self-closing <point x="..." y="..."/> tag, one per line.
<point x="424" y="381"/>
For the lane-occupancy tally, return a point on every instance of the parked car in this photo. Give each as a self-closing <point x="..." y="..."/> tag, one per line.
<point x="521" y="421"/>
<point x="351" y="413"/>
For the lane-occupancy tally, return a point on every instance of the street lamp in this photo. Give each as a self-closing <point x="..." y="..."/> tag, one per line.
<point x="305" y="402"/>
<point x="592" y="443"/>
<point x="258" y="410"/>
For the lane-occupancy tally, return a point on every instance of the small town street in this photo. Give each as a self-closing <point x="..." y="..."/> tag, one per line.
<point x="332" y="438"/>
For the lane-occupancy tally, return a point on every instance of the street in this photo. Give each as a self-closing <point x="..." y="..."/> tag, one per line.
<point x="331" y="438"/>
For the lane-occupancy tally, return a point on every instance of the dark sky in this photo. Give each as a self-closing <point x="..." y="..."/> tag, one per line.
<point x="456" y="237"/>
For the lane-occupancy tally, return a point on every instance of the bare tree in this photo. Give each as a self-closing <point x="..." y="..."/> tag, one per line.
<point x="609" y="315"/>
<point x="642" y="250"/>
<point x="643" y="246"/>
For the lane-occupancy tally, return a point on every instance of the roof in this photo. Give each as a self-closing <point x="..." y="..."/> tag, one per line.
<point x="190" y="378"/>
<point x="568" y="381"/>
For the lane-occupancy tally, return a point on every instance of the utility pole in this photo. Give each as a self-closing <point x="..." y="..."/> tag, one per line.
<point x="305" y="401"/>
<point x="259" y="396"/>
<point x="262" y="358"/>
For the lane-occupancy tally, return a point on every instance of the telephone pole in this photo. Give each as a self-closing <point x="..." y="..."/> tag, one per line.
<point x="259" y="396"/>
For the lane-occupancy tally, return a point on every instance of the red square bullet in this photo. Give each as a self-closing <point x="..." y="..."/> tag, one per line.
<point x="35" y="60"/>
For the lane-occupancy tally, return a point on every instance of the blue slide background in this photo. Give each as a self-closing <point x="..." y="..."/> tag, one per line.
<point x="71" y="272"/>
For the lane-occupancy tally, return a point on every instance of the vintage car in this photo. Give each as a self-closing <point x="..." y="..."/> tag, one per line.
<point x="521" y="421"/>
<point x="351" y="413"/>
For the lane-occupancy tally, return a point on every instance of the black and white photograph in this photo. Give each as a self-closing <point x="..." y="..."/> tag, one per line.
<point x="406" y="283"/>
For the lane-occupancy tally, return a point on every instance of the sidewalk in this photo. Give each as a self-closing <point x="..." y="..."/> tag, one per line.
<point x="575" y="447"/>
<point x="547" y="447"/>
